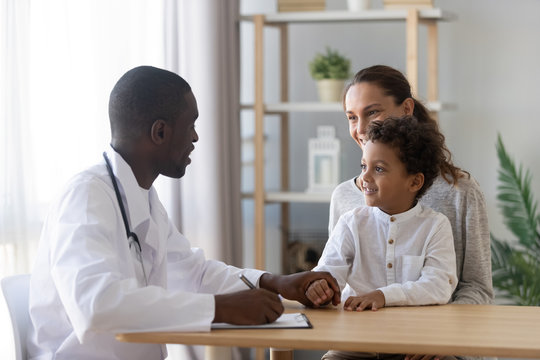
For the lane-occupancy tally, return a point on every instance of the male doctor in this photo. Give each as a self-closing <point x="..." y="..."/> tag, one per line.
<point x="90" y="281"/>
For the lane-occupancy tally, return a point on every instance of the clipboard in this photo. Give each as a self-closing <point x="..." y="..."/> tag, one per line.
<point x="285" y="321"/>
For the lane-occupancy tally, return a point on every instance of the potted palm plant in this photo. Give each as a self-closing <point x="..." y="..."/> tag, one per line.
<point x="516" y="265"/>
<point x="330" y="70"/>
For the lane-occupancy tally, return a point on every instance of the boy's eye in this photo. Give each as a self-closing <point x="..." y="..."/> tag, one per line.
<point x="363" y="167"/>
<point x="379" y="169"/>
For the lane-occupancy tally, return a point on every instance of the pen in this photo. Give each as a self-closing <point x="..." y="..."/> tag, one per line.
<point x="246" y="281"/>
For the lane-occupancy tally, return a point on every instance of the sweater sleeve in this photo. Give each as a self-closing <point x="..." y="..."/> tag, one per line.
<point x="475" y="284"/>
<point x="345" y="197"/>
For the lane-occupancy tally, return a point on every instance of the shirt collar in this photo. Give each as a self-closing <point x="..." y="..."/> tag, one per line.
<point x="401" y="217"/>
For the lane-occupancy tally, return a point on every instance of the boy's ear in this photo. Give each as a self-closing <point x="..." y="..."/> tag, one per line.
<point x="159" y="131"/>
<point x="417" y="181"/>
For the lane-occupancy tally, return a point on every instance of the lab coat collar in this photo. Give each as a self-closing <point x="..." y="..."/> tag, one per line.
<point x="135" y="203"/>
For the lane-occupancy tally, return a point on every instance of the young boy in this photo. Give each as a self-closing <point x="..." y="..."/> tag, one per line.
<point x="392" y="252"/>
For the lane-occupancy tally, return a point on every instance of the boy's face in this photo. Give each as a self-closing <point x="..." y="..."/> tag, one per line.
<point x="384" y="179"/>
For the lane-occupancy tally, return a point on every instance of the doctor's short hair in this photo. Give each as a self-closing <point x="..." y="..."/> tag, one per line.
<point x="420" y="146"/>
<point x="143" y="95"/>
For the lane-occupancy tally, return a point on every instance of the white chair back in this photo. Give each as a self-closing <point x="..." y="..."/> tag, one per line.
<point x="15" y="292"/>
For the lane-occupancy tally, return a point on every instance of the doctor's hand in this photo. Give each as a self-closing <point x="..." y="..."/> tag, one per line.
<point x="295" y="286"/>
<point x="248" y="307"/>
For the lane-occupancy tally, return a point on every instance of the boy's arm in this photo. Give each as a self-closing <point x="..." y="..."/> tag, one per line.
<point x="438" y="277"/>
<point x="338" y="252"/>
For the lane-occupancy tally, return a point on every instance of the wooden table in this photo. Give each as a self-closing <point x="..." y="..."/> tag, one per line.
<point x="474" y="330"/>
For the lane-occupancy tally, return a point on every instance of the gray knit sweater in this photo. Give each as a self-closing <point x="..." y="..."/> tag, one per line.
<point x="465" y="207"/>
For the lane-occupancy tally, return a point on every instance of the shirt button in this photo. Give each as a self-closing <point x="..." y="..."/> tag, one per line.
<point x="389" y="265"/>
<point x="392" y="219"/>
<point x="391" y="241"/>
<point x="450" y="281"/>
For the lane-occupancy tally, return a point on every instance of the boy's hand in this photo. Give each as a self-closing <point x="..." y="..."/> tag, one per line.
<point x="373" y="300"/>
<point x="319" y="293"/>
<point x="295" y="286"/>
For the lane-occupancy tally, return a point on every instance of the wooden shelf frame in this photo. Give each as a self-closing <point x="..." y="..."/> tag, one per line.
<point x="312" y="106"/>
<point x="412" y="18"/>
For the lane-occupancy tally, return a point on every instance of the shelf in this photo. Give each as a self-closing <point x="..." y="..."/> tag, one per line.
<point x="299" y="107"/>
<point x="412" y="19"/>
<point x="341" y="16"/>
<point x="293" y="197"/>
<point x="329" y="107"/>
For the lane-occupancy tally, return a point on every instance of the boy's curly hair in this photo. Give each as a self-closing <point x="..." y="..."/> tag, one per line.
<point x="419" y="145"/>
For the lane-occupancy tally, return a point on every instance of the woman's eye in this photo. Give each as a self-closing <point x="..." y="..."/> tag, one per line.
<point x="373" y="112"/>
<point x="351" y="118"/>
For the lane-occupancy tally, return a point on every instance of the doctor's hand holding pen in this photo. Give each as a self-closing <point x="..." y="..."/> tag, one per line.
<point x="262" y="305"/>
<point x="248" y="307"/>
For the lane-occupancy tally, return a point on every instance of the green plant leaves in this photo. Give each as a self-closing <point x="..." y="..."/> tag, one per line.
<point x="516" y="267"/>
<point x="330" y="65"/>
<point x="516" y="199"/>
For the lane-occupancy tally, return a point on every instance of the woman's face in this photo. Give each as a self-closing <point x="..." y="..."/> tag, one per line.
<point x="365" y="102"/>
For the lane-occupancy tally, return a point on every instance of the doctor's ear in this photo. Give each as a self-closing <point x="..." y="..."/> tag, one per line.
<point x="159" y="131"/>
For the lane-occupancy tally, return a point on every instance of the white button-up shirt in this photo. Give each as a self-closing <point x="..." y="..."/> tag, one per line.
<point x="88" y="285"/>
<point x="410" y="256"/>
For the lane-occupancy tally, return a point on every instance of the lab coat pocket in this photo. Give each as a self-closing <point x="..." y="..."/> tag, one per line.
<point x="411" y="267"/>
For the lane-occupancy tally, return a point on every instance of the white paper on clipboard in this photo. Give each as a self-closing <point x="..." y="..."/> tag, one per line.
<point x="285" y="321"/>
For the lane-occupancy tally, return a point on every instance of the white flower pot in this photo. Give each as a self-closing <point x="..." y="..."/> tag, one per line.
<point x="330" y="90"/>
<point x="357" y="5"/>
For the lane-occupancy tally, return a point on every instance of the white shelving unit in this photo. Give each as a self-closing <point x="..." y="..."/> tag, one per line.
<point x="412" y="19"/>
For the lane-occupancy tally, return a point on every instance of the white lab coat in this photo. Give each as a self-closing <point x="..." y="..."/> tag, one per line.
<point x="87" y="285"/>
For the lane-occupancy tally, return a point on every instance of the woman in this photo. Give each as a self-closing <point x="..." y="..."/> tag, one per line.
<point x="378" y="92"/>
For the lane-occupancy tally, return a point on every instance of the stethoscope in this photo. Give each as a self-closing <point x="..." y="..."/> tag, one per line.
<point x="133" y="240"/>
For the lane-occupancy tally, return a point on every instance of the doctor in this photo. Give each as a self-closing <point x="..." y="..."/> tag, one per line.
<point x="111" y="261"/>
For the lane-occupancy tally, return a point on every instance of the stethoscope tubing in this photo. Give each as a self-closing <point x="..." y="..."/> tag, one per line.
<point x="131" y="236"/>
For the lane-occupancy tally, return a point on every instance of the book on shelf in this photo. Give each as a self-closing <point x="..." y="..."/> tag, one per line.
<point x="406" y="4"/>
<point x="301" y="5"/>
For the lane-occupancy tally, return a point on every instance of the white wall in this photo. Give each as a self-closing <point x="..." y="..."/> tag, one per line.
<point x="489" y="59"/>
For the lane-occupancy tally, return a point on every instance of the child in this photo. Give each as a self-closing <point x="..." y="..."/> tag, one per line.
<point x="392" y="252"/>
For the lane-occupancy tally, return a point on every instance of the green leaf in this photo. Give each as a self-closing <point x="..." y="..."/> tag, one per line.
<point x="330" y="65"/>
<point x="516" y="266"/>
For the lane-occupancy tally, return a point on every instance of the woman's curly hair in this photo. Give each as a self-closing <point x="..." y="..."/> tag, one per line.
<point x="419" y="145"/>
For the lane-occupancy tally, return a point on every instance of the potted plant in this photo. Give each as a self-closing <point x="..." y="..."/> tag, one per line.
<point x="330" y="70"/>
<point x="516" y="265"/>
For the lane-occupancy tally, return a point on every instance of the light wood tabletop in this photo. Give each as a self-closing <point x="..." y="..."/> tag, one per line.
<point x="474" y="330"/>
